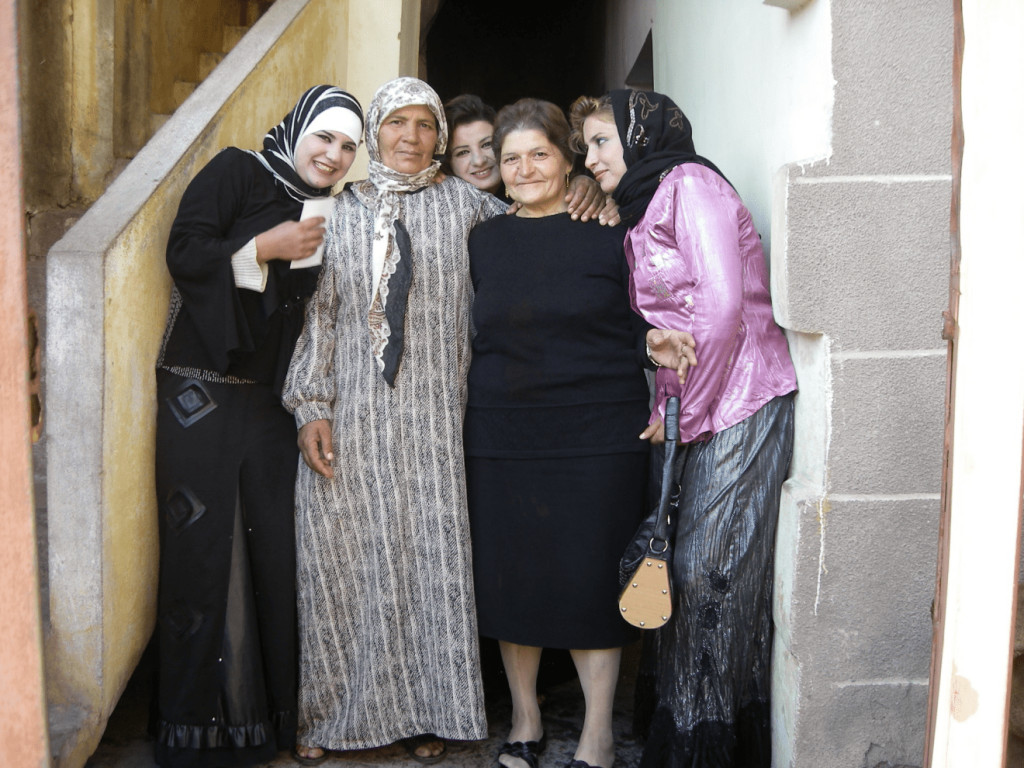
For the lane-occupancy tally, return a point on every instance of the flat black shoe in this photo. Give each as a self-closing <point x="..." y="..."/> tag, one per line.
<point x="580" y="764"/>
<point x="527" y="751"/>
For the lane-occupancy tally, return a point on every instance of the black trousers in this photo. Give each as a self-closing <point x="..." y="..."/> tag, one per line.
<point x="226" y="460"/>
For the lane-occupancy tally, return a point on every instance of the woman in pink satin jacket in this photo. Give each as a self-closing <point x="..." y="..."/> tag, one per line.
<point x="698" y="275"/>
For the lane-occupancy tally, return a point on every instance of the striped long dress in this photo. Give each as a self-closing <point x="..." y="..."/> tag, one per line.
<point x="387" y="625"/>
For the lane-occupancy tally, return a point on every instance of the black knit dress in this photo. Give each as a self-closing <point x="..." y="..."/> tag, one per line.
<point x="556" y="472"/>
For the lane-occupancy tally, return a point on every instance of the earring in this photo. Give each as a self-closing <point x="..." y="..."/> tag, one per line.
<point x="507" y="194"/>
<point x="567" y="179"/>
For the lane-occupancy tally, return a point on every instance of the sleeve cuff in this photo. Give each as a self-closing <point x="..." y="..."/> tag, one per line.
<point x="308" y="412"/>
<point x="249" y="273"/>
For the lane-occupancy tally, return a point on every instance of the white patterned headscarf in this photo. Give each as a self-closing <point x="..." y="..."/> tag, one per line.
<point x="323" y="107"/>
<point x="382" y="194"/>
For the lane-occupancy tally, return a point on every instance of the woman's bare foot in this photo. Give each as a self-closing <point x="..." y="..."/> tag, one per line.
<point x="309" y="755"/>
<point x="425" y="748"/>
<point x="597" y="751"/>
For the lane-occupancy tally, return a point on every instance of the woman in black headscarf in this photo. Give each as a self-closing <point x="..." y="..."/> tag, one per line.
<point x="696" y="267"/>
<point x="226" y="455"/>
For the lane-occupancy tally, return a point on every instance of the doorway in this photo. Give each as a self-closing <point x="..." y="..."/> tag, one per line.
<point x="547" y="49"/>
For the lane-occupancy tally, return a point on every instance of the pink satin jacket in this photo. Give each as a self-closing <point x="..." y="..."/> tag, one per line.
<point x="696" y="265"/>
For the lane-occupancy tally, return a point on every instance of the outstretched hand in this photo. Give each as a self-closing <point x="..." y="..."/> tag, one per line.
<point x="316" y="448"/>
<point x="672" y="349"/>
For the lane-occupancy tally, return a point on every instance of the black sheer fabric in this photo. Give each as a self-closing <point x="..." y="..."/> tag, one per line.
<point x="702" y="696"/>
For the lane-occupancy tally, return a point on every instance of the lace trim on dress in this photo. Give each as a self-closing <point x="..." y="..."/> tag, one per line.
<point x="380" y="329"/>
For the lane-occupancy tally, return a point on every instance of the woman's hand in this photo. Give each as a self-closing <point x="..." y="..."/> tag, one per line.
<point x="315" y="444"/>
<point x="672" y="349"/>
<point x="655" y="433"/>
<point x="585" y="198"/>
<point x="290" y="240"/>
<point x="609" y="215"/>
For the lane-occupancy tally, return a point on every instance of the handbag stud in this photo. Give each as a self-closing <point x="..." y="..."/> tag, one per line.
<point x="635" y="585"/>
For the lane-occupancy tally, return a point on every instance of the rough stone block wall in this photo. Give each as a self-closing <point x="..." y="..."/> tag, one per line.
<point x="860" y="284"/>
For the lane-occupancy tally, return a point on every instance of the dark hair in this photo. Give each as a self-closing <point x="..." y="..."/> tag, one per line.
<point x="463" y="110"/>
<point x="536" y="115"/>
<point x="581" y="109"/>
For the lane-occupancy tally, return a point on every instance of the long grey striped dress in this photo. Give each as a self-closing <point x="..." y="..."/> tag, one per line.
<point x="387" y="624"/>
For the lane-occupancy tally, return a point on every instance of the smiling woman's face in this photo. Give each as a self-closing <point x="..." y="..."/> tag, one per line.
<point x="534" y="171"/>
<point x="473" y="157"/>
<point x="324" y="157"/>
<point x="407" y="138"/>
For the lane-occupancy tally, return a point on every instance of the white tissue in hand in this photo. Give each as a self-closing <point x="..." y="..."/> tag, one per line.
<point x="318" y="206"/>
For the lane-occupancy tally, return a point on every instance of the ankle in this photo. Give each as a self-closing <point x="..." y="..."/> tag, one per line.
<point x="526" y="728"/>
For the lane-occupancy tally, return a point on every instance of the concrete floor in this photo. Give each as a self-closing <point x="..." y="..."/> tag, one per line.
<point x="126" y="745"/>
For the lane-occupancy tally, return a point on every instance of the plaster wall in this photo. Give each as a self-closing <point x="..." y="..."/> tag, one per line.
<point x="45" y="63"/>
<point x="628" y="21"/>
<point x="92" y="95"/>
<point x="107" y="299"/>
<point x="23" y="737"/>
<point x="834" y="122"/>
<point x="755" y="82"/>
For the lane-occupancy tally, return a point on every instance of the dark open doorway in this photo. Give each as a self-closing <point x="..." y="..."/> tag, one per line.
<point x="548" y="49"/>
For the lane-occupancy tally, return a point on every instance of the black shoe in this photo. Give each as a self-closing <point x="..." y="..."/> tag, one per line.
<point x="580" y="764"/>
<point x="527" y="751"/>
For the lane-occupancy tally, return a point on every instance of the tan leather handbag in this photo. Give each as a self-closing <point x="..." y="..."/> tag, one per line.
<point x="646" y="597"/>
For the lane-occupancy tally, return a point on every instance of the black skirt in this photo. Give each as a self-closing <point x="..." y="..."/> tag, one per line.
<point x="547" y="538"/>
<point x="225" y="476"/>
<point x="704" y="682"/>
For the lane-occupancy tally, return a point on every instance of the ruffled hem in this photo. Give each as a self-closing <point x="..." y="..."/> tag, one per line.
<point x="179" y="736"/>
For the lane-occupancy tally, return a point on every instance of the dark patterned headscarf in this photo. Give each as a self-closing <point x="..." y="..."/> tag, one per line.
<point x="656" y="137"/>
<point x="323" y="107"/>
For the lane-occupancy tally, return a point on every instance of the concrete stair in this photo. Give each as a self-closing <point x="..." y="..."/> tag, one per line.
<point x="156" y="122"/>
<point x="207" y="63"/>
<point x="181" y="91"/>
<point x="231" y="37"/>
<point x="250" y="11"/>
<point x="254" y="9"/>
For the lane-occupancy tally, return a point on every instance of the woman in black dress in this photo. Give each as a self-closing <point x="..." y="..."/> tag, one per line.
<point x="556" y="471"/>
<point x="226" y="454"/>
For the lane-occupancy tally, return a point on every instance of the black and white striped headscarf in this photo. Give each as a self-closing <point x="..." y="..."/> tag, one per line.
<point x="323" y="107"/>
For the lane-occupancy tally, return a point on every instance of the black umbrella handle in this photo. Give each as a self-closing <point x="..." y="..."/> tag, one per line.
<point x="659" y="542"/>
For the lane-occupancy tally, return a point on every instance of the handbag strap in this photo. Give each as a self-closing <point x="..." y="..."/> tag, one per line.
<point x="671" y="438"/>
